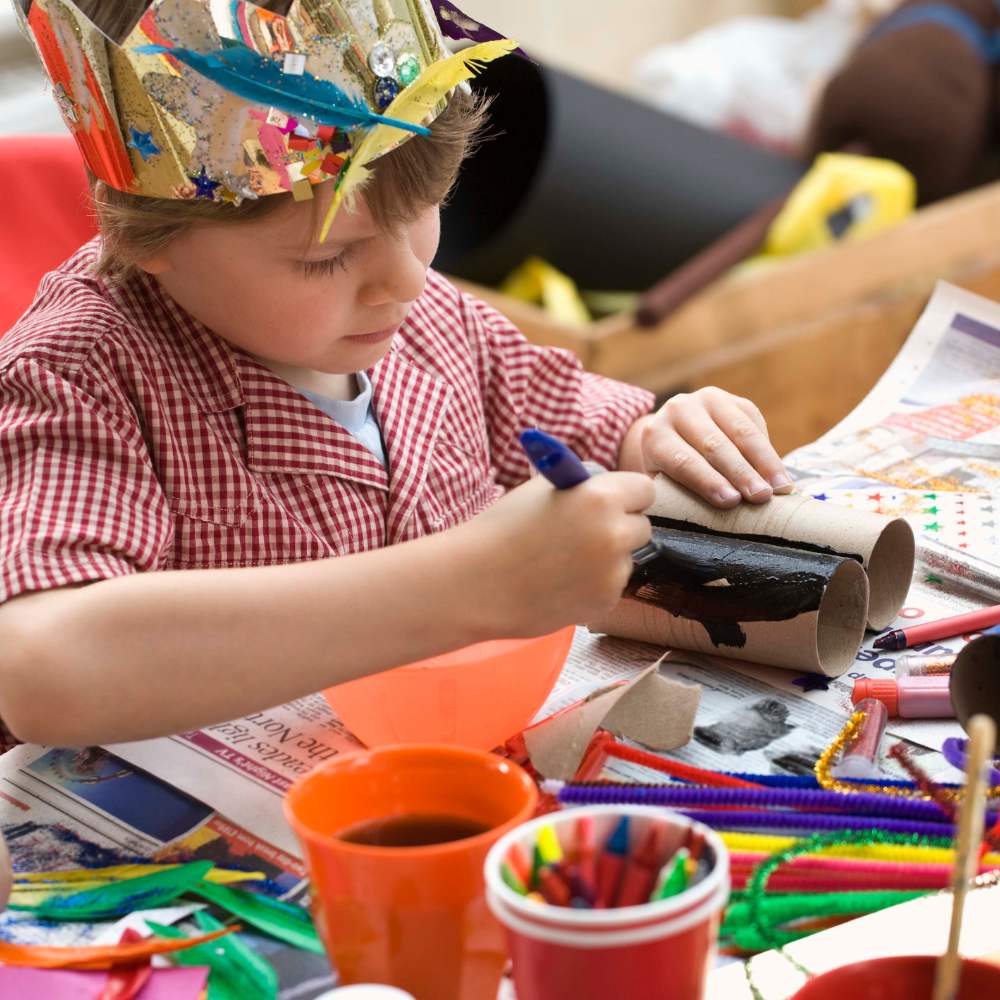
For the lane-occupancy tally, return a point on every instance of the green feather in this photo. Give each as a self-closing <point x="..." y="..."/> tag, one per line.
<point x="284" y="921"/>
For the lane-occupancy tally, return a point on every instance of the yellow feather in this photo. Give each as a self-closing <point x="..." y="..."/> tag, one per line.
<point x="413" y="104"/>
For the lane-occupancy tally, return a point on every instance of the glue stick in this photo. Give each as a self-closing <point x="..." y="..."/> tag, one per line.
<point x="915" y="665"/>
<point x="860" y="759"/>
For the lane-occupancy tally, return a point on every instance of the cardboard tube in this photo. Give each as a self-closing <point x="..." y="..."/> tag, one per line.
<point x="746" y="600"/>
<point x="884" y="546"/>
<point x="975" y="679"/>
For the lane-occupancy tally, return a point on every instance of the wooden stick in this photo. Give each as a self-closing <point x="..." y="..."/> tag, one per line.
<point x="982" y="732"/>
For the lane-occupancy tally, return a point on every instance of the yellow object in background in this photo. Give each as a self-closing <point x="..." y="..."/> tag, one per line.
<point x="539" y="282"/>
<point x="842" y="197"/>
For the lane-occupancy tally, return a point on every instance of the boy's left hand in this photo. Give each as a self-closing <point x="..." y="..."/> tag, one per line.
<point x="713" y="442"/>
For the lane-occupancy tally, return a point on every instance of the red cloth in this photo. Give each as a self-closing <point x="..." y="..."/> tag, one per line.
<point x="46" y="214"/>
<point x="135" y="439"/>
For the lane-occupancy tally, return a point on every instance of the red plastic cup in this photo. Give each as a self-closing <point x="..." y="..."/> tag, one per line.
<point x="904" y="977"/>
<point x="653" y="951"/>
<point x="412" y="917"/>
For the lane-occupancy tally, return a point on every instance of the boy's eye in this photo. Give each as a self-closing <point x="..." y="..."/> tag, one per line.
<point x="314" y="268"/>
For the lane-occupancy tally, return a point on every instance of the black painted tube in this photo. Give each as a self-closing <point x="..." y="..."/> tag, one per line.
<point x="610" y="190"/>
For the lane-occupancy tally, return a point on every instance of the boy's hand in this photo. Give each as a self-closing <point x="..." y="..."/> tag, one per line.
<point x="714" y="443"/>
<point x="541" y="558"/>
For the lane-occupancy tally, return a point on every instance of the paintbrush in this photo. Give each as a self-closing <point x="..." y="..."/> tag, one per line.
<point x="982" y="732"/>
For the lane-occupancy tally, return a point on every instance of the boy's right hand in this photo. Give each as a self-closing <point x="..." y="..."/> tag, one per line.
<point x="542" y="558"/>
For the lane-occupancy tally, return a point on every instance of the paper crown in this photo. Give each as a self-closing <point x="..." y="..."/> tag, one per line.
<point x="225" y="100"/>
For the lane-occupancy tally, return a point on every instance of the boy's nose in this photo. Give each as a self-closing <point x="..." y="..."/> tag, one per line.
<point x="398" y="275"/>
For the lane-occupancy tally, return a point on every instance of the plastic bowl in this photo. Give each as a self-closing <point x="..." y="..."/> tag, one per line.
<point x="478" y="696"/>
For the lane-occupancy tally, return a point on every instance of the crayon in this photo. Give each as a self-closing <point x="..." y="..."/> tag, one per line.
<point x="519" y="864"/>
<point x="548" y="846"/>
<point x="582" y="892"/>
<point x="553" y="887"/>
<point x="586" y="850"/>
<point x="510" y="878"/>
<point x="537" y="864"/>
<point x="673" y="877"/>
<point x="610" y="864"/>
<point x="641" y="870"/>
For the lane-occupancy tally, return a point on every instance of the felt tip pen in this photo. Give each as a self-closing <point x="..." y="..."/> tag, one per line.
<point x="560" y="465"/>
<point x="586" y="850"/>
<point x="908" y="697"/>
<point x="944" y="628"/>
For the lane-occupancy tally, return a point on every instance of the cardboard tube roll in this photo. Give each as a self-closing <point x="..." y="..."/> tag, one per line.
<point x="975" y="679"/>
<point x="747" y="600"/>
<point x="884" y="546"/>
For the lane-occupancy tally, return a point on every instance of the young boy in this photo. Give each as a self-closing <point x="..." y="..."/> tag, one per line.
<point x="314" y="443"/>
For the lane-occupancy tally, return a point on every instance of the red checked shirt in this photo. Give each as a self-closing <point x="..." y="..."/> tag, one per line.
<point x="132" y="438"/>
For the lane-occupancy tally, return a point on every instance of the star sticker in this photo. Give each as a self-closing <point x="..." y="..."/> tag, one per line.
<point x="930" y="510"/>
<point x="820" y="496"/>
<point x="933" y="526"/>
<point x="875" y="496"/>
<point x="930" y="496"/>
<point x="204" y="187"/>
<point x="143" y="143"/>
<point x="812" y="682"/>
<point x="931" y="578"/>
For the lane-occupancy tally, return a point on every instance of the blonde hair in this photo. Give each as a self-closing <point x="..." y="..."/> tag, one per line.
<point x="416" y="174"/>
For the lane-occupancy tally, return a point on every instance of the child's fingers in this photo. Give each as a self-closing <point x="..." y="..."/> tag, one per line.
<point x="744" y="425"/>
<point x="697" y="427"/>
<point x="666" y="451"/>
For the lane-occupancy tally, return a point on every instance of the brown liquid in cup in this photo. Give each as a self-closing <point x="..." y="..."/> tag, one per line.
<point x="413" y="830"/>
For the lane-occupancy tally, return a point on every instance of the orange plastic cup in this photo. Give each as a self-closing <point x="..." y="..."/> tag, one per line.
<point x="412" y="917"/>
<point x="478" y="696"/>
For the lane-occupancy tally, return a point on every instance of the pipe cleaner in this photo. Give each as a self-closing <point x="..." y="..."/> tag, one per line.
<point x="740" y="819"/>
<point x="676" y="769"/>
<point x="814" y="800"/>
<point x="758" y="882"/>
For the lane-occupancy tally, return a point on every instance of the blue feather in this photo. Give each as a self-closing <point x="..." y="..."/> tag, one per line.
<point x="241" y="71"/>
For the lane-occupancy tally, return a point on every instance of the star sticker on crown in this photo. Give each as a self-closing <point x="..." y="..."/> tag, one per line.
<point x="204" y="186"/>
<point x="143" y="143"/>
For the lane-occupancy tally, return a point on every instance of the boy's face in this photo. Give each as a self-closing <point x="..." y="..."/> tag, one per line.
<point x="268" y="287"/>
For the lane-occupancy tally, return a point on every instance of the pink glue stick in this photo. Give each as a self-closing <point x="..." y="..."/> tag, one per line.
<point x="909" y="697"/>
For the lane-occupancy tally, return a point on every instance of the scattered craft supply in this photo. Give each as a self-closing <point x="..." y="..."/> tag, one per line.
<point x="237" y="971"/>
<point x="650" y="708"/>
<point x="959" y="570"/>
<point x="538" y="282"/>
<point x="780" y="584"/>
<point x="927" y="697"/>
<point x="943" y="628"/>
<point x="812" y="800"/>
<point x="284" y="921"/>
<point x="982" y="739"/>
<point x="117" y="899"/>
<point x="126" y="981"/>
<point x="915" y="665"/>
<point x="99" y="956"/>
<point x="860" y="757"/>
